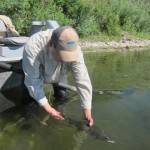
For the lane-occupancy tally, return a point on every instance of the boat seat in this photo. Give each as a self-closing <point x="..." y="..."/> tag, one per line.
<point x="2" y="29"/>
<point x="13" y="40"/>
<point x="11" y="48"/>
<point x="8" y="34"/>
<point x="35" y="27"/>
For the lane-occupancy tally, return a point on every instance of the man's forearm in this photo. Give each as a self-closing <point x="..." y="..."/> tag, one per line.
<point x="87" y="113"/>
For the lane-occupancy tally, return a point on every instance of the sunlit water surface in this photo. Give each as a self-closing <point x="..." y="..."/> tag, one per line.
<point x="124" y="116"/>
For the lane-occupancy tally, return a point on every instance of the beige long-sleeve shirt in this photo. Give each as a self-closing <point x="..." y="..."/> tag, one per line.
<point x="40" y="67"/>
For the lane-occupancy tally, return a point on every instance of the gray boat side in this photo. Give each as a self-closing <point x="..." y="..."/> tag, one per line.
<point x="11" y="51"/>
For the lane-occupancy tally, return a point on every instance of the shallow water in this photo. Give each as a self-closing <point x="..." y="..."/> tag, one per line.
<point x="124" y="117"/>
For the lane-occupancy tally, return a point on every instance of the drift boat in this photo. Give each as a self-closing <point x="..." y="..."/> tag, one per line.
<point x="11" y="51"/>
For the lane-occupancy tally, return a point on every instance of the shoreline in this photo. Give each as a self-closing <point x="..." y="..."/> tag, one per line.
<point x="115" y="45"/>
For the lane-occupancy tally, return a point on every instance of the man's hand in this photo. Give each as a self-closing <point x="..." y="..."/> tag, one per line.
<point x="88" y="117"/>
<point x="91" y="121"/>
<point x="54" y="113"/>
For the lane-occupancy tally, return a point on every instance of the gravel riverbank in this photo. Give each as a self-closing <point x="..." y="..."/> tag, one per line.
<point x="114" y="45"/>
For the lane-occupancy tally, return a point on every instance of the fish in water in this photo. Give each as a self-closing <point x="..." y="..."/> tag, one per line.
<point x="83" y="125"/>
<point x="93" y="131"/>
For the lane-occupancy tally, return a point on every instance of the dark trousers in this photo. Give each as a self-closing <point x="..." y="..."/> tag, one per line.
<point x="31" y="106"/>
<point x="60" y="94"/>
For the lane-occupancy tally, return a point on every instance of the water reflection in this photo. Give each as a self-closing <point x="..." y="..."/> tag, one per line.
<point x="125" y="117"/>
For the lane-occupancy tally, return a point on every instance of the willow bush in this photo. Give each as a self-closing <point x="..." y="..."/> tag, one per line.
<point x="89" y="17"/>
<point x="133" y="15"/>
<point x="23" y="12"/>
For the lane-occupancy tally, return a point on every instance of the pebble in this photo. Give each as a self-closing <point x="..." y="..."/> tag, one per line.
<point x="116" y="44"/>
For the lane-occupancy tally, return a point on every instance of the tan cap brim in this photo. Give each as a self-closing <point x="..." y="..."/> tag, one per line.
<point x="68" y="56"/>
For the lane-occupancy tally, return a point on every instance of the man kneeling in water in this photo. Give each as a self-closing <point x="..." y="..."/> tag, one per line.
<point x="48" y="57"/>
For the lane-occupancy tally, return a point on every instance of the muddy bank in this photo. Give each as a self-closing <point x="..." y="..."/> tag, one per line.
<point x="116" y="45"/>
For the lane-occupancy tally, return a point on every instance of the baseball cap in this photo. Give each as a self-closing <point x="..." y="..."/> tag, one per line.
<point x="65" y="40"/>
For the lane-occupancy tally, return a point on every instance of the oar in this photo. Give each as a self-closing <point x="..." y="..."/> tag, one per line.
<point x="9" y="67"/>
<point x="127" y="91"/>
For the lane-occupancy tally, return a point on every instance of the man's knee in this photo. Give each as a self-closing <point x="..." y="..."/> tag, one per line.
<point x="25" y="96"/>
<point x="60" y="93"/>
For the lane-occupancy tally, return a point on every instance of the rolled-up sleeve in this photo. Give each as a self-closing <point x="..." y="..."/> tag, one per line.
<point x="83" y="83"/>
<point x="33" y="80"/>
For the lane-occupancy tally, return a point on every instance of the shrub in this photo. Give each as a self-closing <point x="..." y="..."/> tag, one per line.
<point x="89" y="17"/>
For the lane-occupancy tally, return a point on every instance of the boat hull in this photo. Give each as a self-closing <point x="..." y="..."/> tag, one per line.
<point x="9" y="79"/>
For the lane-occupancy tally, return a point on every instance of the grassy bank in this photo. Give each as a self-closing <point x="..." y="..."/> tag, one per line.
<point x="93" y="19"/>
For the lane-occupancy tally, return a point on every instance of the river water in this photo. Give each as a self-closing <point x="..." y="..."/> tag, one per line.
<point x="121" y="108"/>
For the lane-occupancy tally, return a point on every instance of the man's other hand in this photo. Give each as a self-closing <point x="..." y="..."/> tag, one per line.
<point x="53" y="112"/>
